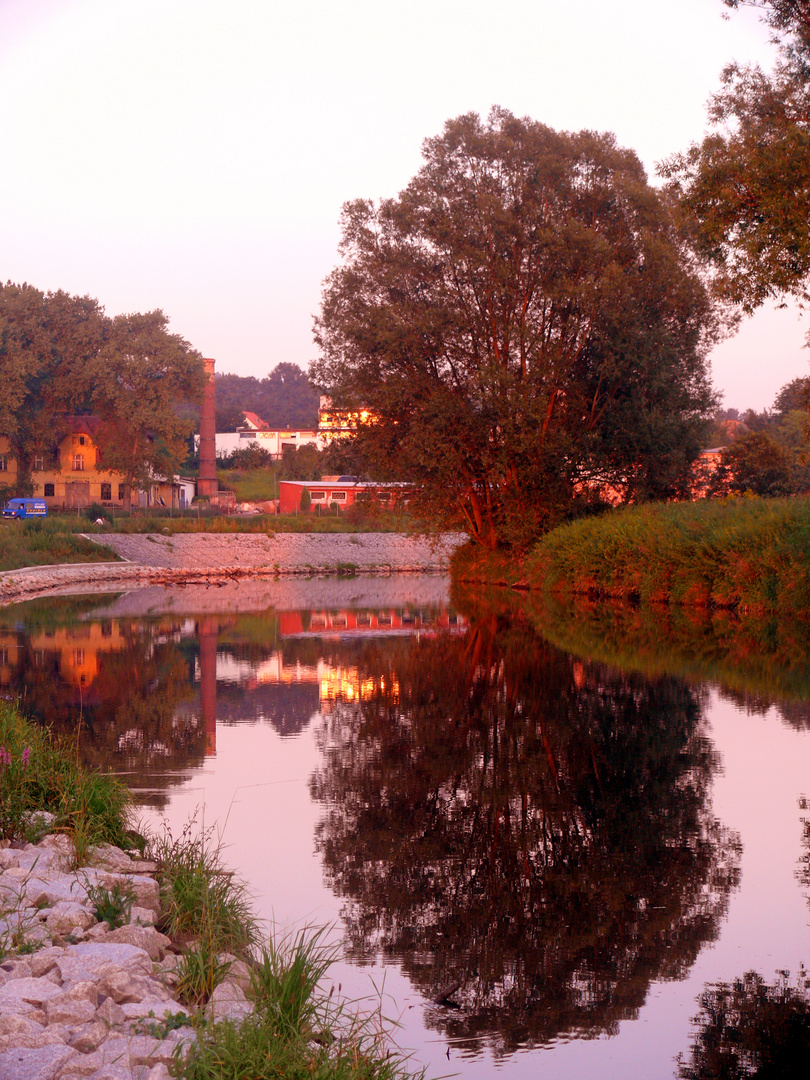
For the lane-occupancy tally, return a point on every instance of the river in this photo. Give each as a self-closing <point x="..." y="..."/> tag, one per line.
<point x="582" y="832"/>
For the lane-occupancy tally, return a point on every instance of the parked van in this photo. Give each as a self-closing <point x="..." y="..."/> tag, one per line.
<point x="25" y="508"/>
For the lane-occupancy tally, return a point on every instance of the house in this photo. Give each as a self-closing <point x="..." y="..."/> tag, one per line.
<point x="339" y="423"/>
<point x="274" y="442"/>
<point x="73" y="476"/>
<point x="340" y="491"/>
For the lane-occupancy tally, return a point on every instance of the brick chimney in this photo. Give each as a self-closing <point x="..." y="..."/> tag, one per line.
<point x="207" y="483"/>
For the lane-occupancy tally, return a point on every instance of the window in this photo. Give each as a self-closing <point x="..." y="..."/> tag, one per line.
<point x="78" y="462"/>
<point x="338" y="496"/>
<point x="81" y="440"/>
<point x="3" y="463"/>
<point x="39" y="463"/>
<point x="49" y="491"/>
<point x="106" y="492"/>
<point x="317" y="496"/>
<point x="120" y="492"/>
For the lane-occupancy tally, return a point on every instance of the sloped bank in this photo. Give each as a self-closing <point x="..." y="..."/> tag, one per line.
<point x="155" y="559"/>
<point x="748" y="554"/>
<point x="91" y="989"/>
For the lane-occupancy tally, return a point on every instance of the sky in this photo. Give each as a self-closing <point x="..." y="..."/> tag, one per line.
<point x="194" y="155"/>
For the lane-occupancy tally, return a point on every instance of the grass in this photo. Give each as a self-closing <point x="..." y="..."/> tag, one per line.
<point x="200" y="899"/>
<point x="46" y="542"/>
<point x="745" y="553"/>
<point x="39" y="774"/>
<point x="297" y="1030"/>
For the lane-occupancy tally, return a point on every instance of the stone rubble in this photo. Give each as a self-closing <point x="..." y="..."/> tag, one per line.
<point x="79" y="1001"/>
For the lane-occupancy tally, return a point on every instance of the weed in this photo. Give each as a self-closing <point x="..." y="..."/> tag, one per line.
<point x="296" y="1030"/>
<point x="113" y="905"/>
<point x="199" y="897"/>
<point x="199" y="972"/>
<point x="40" y="774"/>
<point x="159" y="1027"/>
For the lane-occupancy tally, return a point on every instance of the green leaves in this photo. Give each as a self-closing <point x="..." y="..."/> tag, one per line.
<point x="747" y="184"/>
<point x="512" y="321"/>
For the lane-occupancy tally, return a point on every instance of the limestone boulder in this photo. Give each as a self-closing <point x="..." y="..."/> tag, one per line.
<point x="36" y="1063"/>
<point x="67" y="915"/>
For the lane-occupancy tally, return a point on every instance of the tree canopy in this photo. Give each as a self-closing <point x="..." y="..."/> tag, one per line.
<point x="747" y="183"/>
<point x="524" y="324"/>
<point x="146" y="373"/>
<point x="60" y="355"/>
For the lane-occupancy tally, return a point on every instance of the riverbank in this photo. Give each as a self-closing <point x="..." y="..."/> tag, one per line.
<point x="745" y="554"/>
<point x="116" y="965"/>
<point x="213" y="558"/>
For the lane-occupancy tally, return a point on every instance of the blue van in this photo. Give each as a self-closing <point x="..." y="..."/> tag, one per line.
<point x="25" y="508"/>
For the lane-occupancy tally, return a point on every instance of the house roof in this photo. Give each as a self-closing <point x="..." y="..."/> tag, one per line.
<point x="254" y="421"/>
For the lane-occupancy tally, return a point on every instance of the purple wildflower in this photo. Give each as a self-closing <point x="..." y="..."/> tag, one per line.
<point x="26" y="754"/>
<point x="5" y="757"/>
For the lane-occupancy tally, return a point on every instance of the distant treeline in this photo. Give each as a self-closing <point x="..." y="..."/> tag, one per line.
<point x="285" y="399"/>
<point x="766" y="452"/>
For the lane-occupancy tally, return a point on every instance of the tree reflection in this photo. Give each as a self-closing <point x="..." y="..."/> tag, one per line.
<point x="122" y="689"/>
<point x="537" y="829"/>
<point x="751" y="1028"/>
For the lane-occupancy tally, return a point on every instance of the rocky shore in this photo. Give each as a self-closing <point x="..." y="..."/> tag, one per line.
<point x="156" y="559"/>
<point x="79" y="1000"/>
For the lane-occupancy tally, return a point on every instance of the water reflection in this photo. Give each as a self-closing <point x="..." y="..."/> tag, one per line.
<point x="531" y="827"/>
<point x="144" y="695"/>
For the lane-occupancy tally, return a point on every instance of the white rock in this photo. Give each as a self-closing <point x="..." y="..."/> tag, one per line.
<point x="142" y="915"/>
<point x="88" y="1037"/>
<point x="45" y="1063"/>
<point x="11" y="1025"/>
<point x="67" y="915"/>
<point x="27" y="991"/>
<point x="145" y="937"/>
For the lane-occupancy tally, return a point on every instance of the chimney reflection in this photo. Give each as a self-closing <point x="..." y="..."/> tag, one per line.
<point x="207" y="632"/>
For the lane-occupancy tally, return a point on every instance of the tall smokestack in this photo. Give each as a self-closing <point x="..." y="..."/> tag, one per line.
<point x="207" y="483"/>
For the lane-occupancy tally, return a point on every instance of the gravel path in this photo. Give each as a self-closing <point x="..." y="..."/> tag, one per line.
<point x="152" y="559"/>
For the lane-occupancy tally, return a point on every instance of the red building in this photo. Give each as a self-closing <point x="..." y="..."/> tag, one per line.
<point x="340" y="491"/>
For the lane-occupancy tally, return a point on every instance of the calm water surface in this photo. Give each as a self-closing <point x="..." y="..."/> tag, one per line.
<point x="582" y="849"/>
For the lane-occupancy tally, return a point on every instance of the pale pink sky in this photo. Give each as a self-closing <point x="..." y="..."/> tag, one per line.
<point x="194" y="155"/>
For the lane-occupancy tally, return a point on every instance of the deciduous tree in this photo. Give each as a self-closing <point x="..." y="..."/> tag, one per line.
<point x="523" y="321"/>
<point x="145" y="375"/>
<point x="49" y="345"/>
<point x="747" y="183"/>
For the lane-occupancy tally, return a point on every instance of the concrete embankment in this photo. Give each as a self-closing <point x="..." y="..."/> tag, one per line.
<point x="208" y="558"/>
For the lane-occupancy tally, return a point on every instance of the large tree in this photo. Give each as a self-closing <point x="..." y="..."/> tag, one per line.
<point x="144" y="377"/>
<point x="523" y="322"/>
<point x="49" y="347"/>
<point x="747" y="183"/>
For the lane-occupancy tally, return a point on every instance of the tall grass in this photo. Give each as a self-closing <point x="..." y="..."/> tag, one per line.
<point x="40" y="774"/>
<point x="297" y="1030"/>
<point x="200" y="899"/>
<point x="746" y="553"/>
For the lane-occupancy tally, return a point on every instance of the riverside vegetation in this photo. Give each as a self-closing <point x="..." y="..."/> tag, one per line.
<point x="748" y="554"/>
<point x="288" y="1028"/>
